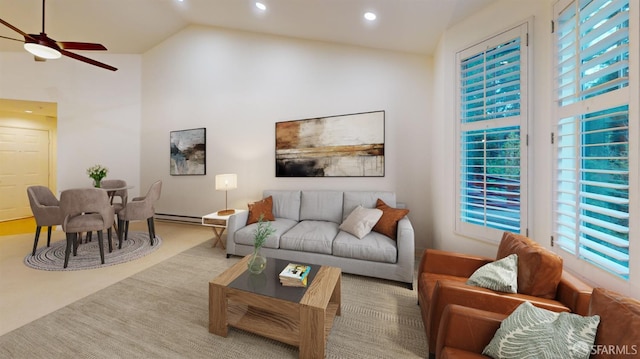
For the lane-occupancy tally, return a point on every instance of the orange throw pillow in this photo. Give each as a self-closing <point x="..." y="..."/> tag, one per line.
<point x="388" y="223"/>
<point x="263" y="207"/>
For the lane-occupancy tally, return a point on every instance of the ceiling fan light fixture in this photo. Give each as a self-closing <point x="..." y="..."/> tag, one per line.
<point x="42" y="51"/>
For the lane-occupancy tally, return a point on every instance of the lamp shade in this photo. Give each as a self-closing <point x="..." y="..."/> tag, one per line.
<point x="42" y="51"/>
<point x="226" y="182"/>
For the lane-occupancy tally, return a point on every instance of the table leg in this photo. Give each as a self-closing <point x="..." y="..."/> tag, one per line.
<point x="218" y="231"/>
<point x="312" y="332"/>
<point x="217" y="310"/>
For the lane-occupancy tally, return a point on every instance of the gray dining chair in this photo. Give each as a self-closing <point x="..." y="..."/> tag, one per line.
<point x="85" y="210"/>
<point x="121" y="193"/>
<point x="46" y="211"/>
<point x="138" y="209"/>
<point x="120" y="196"/>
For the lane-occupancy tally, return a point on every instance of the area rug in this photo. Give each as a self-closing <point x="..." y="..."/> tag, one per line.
<point x="162" y="312"/>
<point x="51" y="258"/>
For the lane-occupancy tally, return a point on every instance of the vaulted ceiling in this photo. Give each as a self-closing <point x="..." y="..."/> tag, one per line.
<point x="135" y="26"/>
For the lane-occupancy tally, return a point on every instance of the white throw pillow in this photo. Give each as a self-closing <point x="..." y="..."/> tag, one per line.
<point x="532" y="332"/>
<point x="501" y="275"/>
<point x="361" y="220"/>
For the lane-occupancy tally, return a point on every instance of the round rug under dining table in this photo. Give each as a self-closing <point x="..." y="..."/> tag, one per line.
<point x="52" y="258"/>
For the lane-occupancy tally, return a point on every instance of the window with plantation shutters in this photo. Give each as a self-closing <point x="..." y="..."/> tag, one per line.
<point x="492" y="125"/>
<point x="592" y="185"/>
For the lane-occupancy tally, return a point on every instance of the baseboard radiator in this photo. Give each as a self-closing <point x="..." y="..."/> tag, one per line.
<point x="178" y="218"/>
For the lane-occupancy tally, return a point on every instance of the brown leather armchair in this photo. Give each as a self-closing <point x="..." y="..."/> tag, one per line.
<point x="541" y="281"/>
<point x="465" y="332"/>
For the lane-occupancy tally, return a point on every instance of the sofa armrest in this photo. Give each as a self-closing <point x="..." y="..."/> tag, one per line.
<point x="451" y="292"/>
<point x="574" y="293"/>
<point x="451" y="263"/>
<point x="234" y="223"/>
<point x="405" y="240"/>
<point x="467" y="329"/>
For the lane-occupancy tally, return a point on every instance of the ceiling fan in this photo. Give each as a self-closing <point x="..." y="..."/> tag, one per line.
<point x="43" y="47"/>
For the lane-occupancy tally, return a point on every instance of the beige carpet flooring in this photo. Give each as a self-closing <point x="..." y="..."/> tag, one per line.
<point x="27" y="294"/>
<point x="162" y="312"/>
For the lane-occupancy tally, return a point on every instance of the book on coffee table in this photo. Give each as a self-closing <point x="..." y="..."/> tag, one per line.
<point x="295" y="275"/>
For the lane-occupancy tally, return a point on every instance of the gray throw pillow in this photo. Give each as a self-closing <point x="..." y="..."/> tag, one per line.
<point x="501" y="275"/>
<point x="532" y="332"/>
<point x="360" y="221"/>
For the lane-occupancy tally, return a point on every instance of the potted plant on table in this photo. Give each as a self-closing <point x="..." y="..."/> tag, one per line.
<point x="97" y="173"/>
<point x="257" y="263"/>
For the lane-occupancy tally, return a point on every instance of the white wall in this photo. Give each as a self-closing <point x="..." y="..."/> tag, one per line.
<point x="493" y="20"/>
<point x="239" y="84"/>
<point x="98" y="111"/>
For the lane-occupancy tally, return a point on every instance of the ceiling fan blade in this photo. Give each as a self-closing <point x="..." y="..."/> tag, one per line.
<point x="87" y="60"/>
<point x="11" y="38"/>
<point x="39" y="59"/>
<point x="16" y="30"/>
<point x="70" y="45"/>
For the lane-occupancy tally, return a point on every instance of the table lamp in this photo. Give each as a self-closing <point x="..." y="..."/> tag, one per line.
<point x="226" y="182"/>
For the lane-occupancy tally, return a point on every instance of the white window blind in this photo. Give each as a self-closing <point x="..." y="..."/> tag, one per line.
<point x="592" y="40"/>
<point x="592" y="144"/>
<point x="491" y="125"/>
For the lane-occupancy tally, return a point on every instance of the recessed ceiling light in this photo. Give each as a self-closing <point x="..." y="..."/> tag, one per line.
<point x="370" y="16"/>
<point x="261" y="6"/>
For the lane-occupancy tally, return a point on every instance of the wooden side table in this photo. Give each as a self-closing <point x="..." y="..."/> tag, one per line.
<point x="218" y="224"/>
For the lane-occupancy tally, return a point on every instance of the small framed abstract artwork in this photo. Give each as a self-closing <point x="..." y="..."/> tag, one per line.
<point x="188" y="154"/>
<point x="335" y="146"/>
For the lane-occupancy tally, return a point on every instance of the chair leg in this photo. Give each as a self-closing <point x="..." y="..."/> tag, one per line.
<point x="76" y="243"/>
<point x="120" y="233"/>
<point x="109" y="239"/>
<point x="35" y="240"/>
<point x="152" y="230"/>
<point x="49" y="236"/>
<point x="68" y="249"/>
<point x="126" y="230"/>
<point x="100" y="242"/>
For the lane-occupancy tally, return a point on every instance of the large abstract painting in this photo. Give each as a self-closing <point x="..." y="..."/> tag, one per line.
<point x="337" y="146"/>
<point x="188" y="152"/>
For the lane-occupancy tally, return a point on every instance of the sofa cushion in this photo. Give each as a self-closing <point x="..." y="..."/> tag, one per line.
<point x="372" y="247"/>
<point x="310" y="236"/>
<point x="501" y="275"/>
<point x="321" y="206"/>
<point x="619" y="324"/>
<point x="539" y="270"/>
<point x="281" y="225"/>
<point x="361" y="220"/>
<point x="532" y="332"/>
<point x="286" y="204"/>
<point x="366" y="199"/>
<point x="260" y="208"/>
<point x="388" y="223"/>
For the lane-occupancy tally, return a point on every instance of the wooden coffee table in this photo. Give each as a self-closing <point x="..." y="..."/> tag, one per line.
<point x="301" y="317"/>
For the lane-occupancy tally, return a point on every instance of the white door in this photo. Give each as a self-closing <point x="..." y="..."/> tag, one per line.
<point x="24" y="162"/>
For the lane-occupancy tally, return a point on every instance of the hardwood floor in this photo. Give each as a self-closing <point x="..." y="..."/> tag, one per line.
<point x="27" y="294"/>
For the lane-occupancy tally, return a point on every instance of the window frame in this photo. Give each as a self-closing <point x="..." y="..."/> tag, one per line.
<point x="521" y="30"/>
<point x="585" y="106"/>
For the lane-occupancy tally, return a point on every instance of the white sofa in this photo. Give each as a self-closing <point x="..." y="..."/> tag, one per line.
<point x="307" y="230"/>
